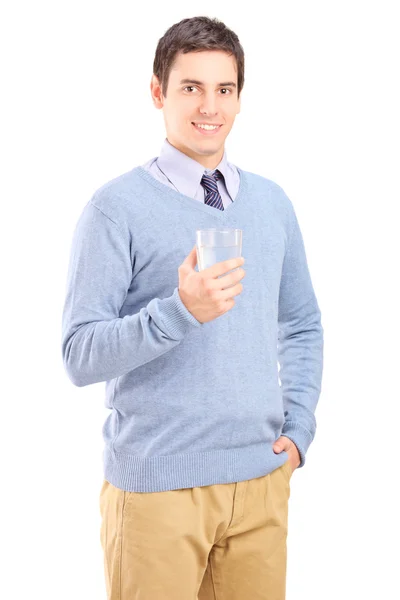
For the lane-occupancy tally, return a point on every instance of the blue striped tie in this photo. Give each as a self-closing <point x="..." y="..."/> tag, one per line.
<point x="213" y="197"/>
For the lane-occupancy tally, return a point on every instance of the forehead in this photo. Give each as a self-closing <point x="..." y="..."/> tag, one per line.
<point x="211" y="66"/>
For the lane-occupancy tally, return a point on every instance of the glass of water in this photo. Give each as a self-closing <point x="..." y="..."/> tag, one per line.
<point x="216" y="245"/>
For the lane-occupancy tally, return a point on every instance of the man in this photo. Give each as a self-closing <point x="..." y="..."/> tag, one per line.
<point x="202" y="439"/>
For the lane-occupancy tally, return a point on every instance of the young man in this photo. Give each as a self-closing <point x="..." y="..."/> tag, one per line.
<point x="202" y="439"/>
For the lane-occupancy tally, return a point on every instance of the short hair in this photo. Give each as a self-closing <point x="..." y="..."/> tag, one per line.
<point x="196" y="34"/>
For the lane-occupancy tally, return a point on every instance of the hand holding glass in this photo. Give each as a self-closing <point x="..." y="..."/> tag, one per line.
<point x="217" y="245"/>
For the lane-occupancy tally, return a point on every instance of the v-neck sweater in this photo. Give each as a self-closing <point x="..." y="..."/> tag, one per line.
<point x="191" y="403"/>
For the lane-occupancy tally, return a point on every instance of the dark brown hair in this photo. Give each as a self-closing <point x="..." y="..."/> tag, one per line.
<point x="194" y="35"/>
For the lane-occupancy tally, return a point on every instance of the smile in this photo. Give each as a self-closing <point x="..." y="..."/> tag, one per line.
<point x="207" y="130"/>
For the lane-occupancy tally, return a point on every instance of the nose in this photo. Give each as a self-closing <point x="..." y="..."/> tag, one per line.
<point x="209" y="105"/>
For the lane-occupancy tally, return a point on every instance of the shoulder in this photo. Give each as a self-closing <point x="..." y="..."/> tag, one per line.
<point x="113" y="195"/>
<point x="275" y="192"/>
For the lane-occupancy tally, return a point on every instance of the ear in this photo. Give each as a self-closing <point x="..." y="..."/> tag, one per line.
<point x="155" y="90"/>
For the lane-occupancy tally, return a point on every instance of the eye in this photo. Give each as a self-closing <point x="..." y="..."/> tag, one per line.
<point x="194" y="87"/>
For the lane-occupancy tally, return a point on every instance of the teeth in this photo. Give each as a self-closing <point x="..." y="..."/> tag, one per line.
<point x="208" y="127"/>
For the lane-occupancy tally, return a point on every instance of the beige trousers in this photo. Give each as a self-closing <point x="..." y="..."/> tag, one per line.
<point x="216" y="542"/>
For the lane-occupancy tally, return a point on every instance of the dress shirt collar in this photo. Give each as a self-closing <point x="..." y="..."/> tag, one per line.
<point x="184" y="172"/>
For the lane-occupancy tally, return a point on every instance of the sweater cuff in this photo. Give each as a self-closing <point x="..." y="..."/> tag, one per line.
<point x="299" y="436"/>
<point x="176" y="317"/>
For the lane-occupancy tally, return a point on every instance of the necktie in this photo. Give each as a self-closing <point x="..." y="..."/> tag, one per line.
<point x="213" y="197"/>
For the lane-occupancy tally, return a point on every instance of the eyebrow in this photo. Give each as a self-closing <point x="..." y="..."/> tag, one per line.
<point x="195" y="81"/>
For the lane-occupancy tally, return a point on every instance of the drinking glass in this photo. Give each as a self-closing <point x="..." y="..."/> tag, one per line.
<point x="216" y="245"/>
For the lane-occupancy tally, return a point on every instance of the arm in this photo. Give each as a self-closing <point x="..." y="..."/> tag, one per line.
<point x="98" y="345"/>
<point x="300" y="343"/>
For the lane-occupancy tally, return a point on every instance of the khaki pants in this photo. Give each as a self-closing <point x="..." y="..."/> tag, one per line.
<point x="216" y="542"/>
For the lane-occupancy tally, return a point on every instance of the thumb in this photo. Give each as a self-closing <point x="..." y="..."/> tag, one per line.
<point x="191" y="259"/>
<point x="280" y="444"/>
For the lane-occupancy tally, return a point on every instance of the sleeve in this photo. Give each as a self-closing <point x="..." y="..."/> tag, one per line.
<point x="97" y="345"/>
<point x="300" y="343"/>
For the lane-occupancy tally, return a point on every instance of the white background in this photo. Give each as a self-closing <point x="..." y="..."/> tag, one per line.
<point x="320" y="116"/>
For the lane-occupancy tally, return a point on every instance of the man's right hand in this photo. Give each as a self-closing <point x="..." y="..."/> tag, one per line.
<point x="203" y="293"/>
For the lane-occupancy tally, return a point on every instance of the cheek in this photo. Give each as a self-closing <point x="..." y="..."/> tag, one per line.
<point x="184" y="114"/>
<point x="233" y="111"/>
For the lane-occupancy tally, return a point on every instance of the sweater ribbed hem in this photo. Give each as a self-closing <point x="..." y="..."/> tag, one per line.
<point x="177" y="471"/>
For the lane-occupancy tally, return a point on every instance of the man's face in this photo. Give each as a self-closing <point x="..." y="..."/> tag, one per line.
<point x="213" y="100"/>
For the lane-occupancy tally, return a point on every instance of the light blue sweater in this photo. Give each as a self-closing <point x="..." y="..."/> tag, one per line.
<point x="191" y="404"/>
